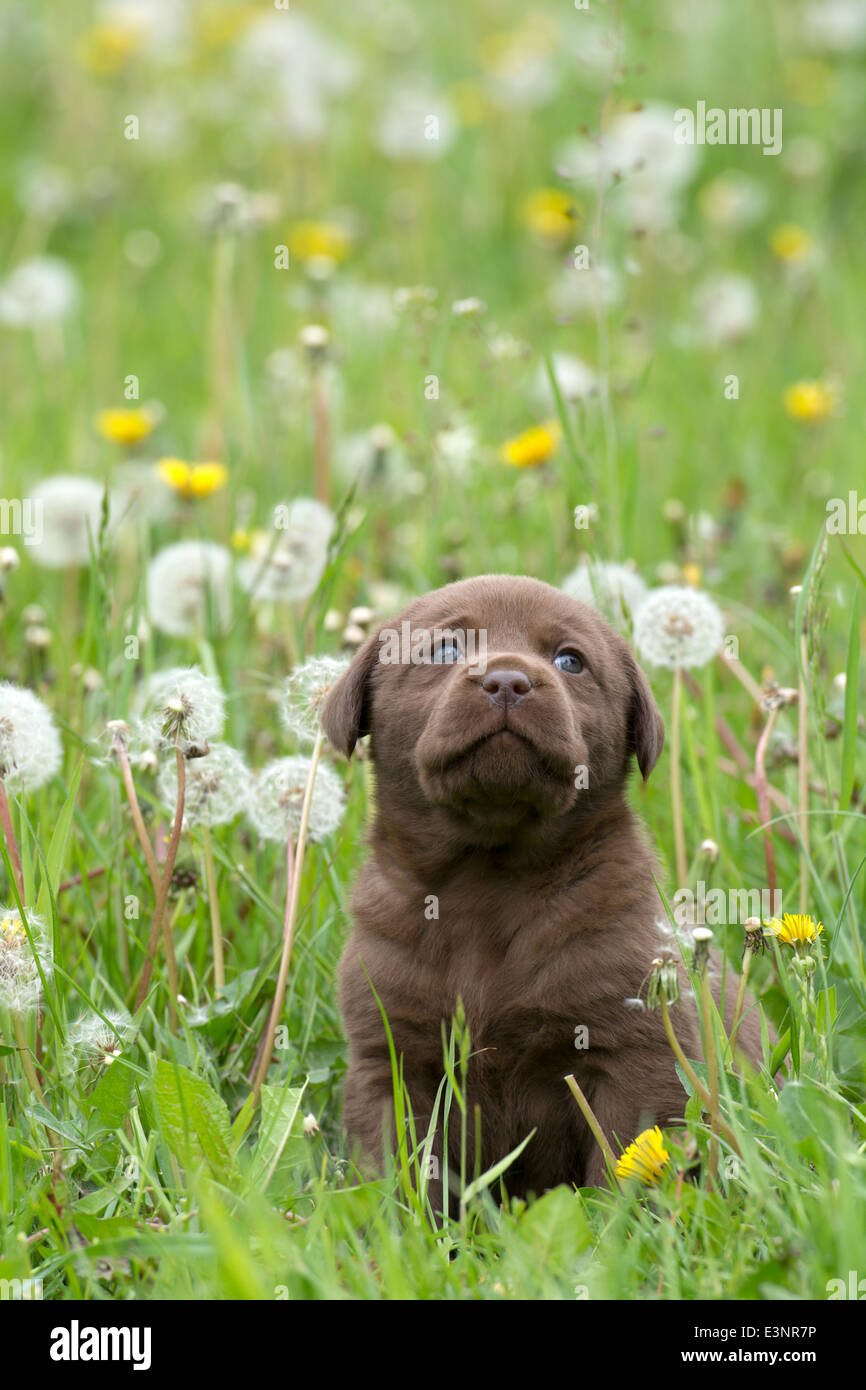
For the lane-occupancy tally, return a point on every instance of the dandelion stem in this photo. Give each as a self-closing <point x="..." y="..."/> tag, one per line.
<point x="11" y="842"/>
<point x="137" y="818"/>
<point x="293" y="899"/>
<point x="161" y="922"/>
<point x="676" y="781"/>
<point x="712" y="1075"/>
<point x="321" y="430"/>
<point x="26" y="1058"/>
<point x="589" y="1115"/>
<point x="219" y="973"/>
<point x="741" y="997"/>
<point x="803" y="776"/>
<point x="764" y="800"/>
<point x="724" y="1129"/>
<point x="747" y="681"/>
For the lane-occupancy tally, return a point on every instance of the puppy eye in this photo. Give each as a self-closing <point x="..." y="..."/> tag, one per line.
<point x="446" y="652"/>
<point x="570" y="662"/>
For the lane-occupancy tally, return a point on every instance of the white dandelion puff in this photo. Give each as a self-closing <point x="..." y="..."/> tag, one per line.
<point x="607" y="587"/>
<point x="20" y="960"/>
<point x="68" y="512"/>
<point x="30" y="747"/>
<point x="98" y="1039"/>
<point x="575" y="381"/>
<point x="277" y="798"/>
<point x="217" y="786"/>
<point x="638" y="151"/>
<point x="416" y="123"/>
<point x="37" y="292"/>
<point x="677" y="626"/>
<point x="306" y="691"/>
<point x="188" y="585"/>
<point x="375" y="460"/>
<point x="726" y="307"/>
<point x="185" y="699"/>
<point x="288" y="569"/>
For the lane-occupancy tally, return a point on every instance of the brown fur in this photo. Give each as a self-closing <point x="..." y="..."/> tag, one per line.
<point x="547" y="908"/>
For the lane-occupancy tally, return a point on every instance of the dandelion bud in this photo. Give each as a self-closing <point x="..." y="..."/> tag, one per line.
<point x="701" y="936"/>
<point x="314" y="338"/>
<point x="754" y="934"/>
<point x="710" y="850"/>
<point x="37" y="637"/>
<point x="311" y="1125"/>
<point x="663" y="984"/>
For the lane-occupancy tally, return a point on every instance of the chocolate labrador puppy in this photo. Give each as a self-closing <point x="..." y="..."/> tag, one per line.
<point x="508" y="870"/>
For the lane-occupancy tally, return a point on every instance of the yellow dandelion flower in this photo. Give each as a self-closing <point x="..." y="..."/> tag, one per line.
<point x="107" y="48"/>
<point x="811" y="402"/>
<point x="790" y="243"/>
<point x="319" y="241"/>
<point x="244" y="540"/>
<point x="193" y="479"/>
<point x="550" y="214"/>
<point x="692" y="575"/>
<point x="534" y="446"/>
<point x="794" y="929"/>
<point x="645" y="1158"/>
<point x="125" y="426"/>
<point x="12" y="928"/>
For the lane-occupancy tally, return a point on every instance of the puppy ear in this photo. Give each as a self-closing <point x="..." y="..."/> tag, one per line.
<point x="346" y="711"/>
<point x="646" y="726"/>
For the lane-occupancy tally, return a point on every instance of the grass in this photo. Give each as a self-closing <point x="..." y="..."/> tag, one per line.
<point x="151" y="1174"/>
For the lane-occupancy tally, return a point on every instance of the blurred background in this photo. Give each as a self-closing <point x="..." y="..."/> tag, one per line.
<point x="187" y="187"/>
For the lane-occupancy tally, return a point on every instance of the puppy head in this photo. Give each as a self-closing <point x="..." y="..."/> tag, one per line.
<point x="495" y="704"/>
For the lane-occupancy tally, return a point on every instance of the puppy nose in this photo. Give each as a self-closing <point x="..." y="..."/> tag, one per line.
<point x="506" y="688"/>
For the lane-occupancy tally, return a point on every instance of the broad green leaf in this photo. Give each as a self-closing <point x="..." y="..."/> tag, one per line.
<point x="110" y="1095"/>
<point x="281" y="1136"/>
<point x="194" y="1119"/>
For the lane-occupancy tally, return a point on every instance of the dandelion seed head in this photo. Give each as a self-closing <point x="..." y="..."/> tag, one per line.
<point x="99" y="1039"/>
<point x="288" y="569"/>
<point x="277" y="797"/>
<point x="217" y="786"/>
<point x="70" y="513"/>
<point x="185" y="698"/>
<point x="37" y="292"/>
<point x="189" y="583"/>
<point x="306" y="691"/>
<point x="20" y="958"/>
<point x="30" y="747"/>
<point x="678" y="626"/>
<point x="607" y="587"/>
